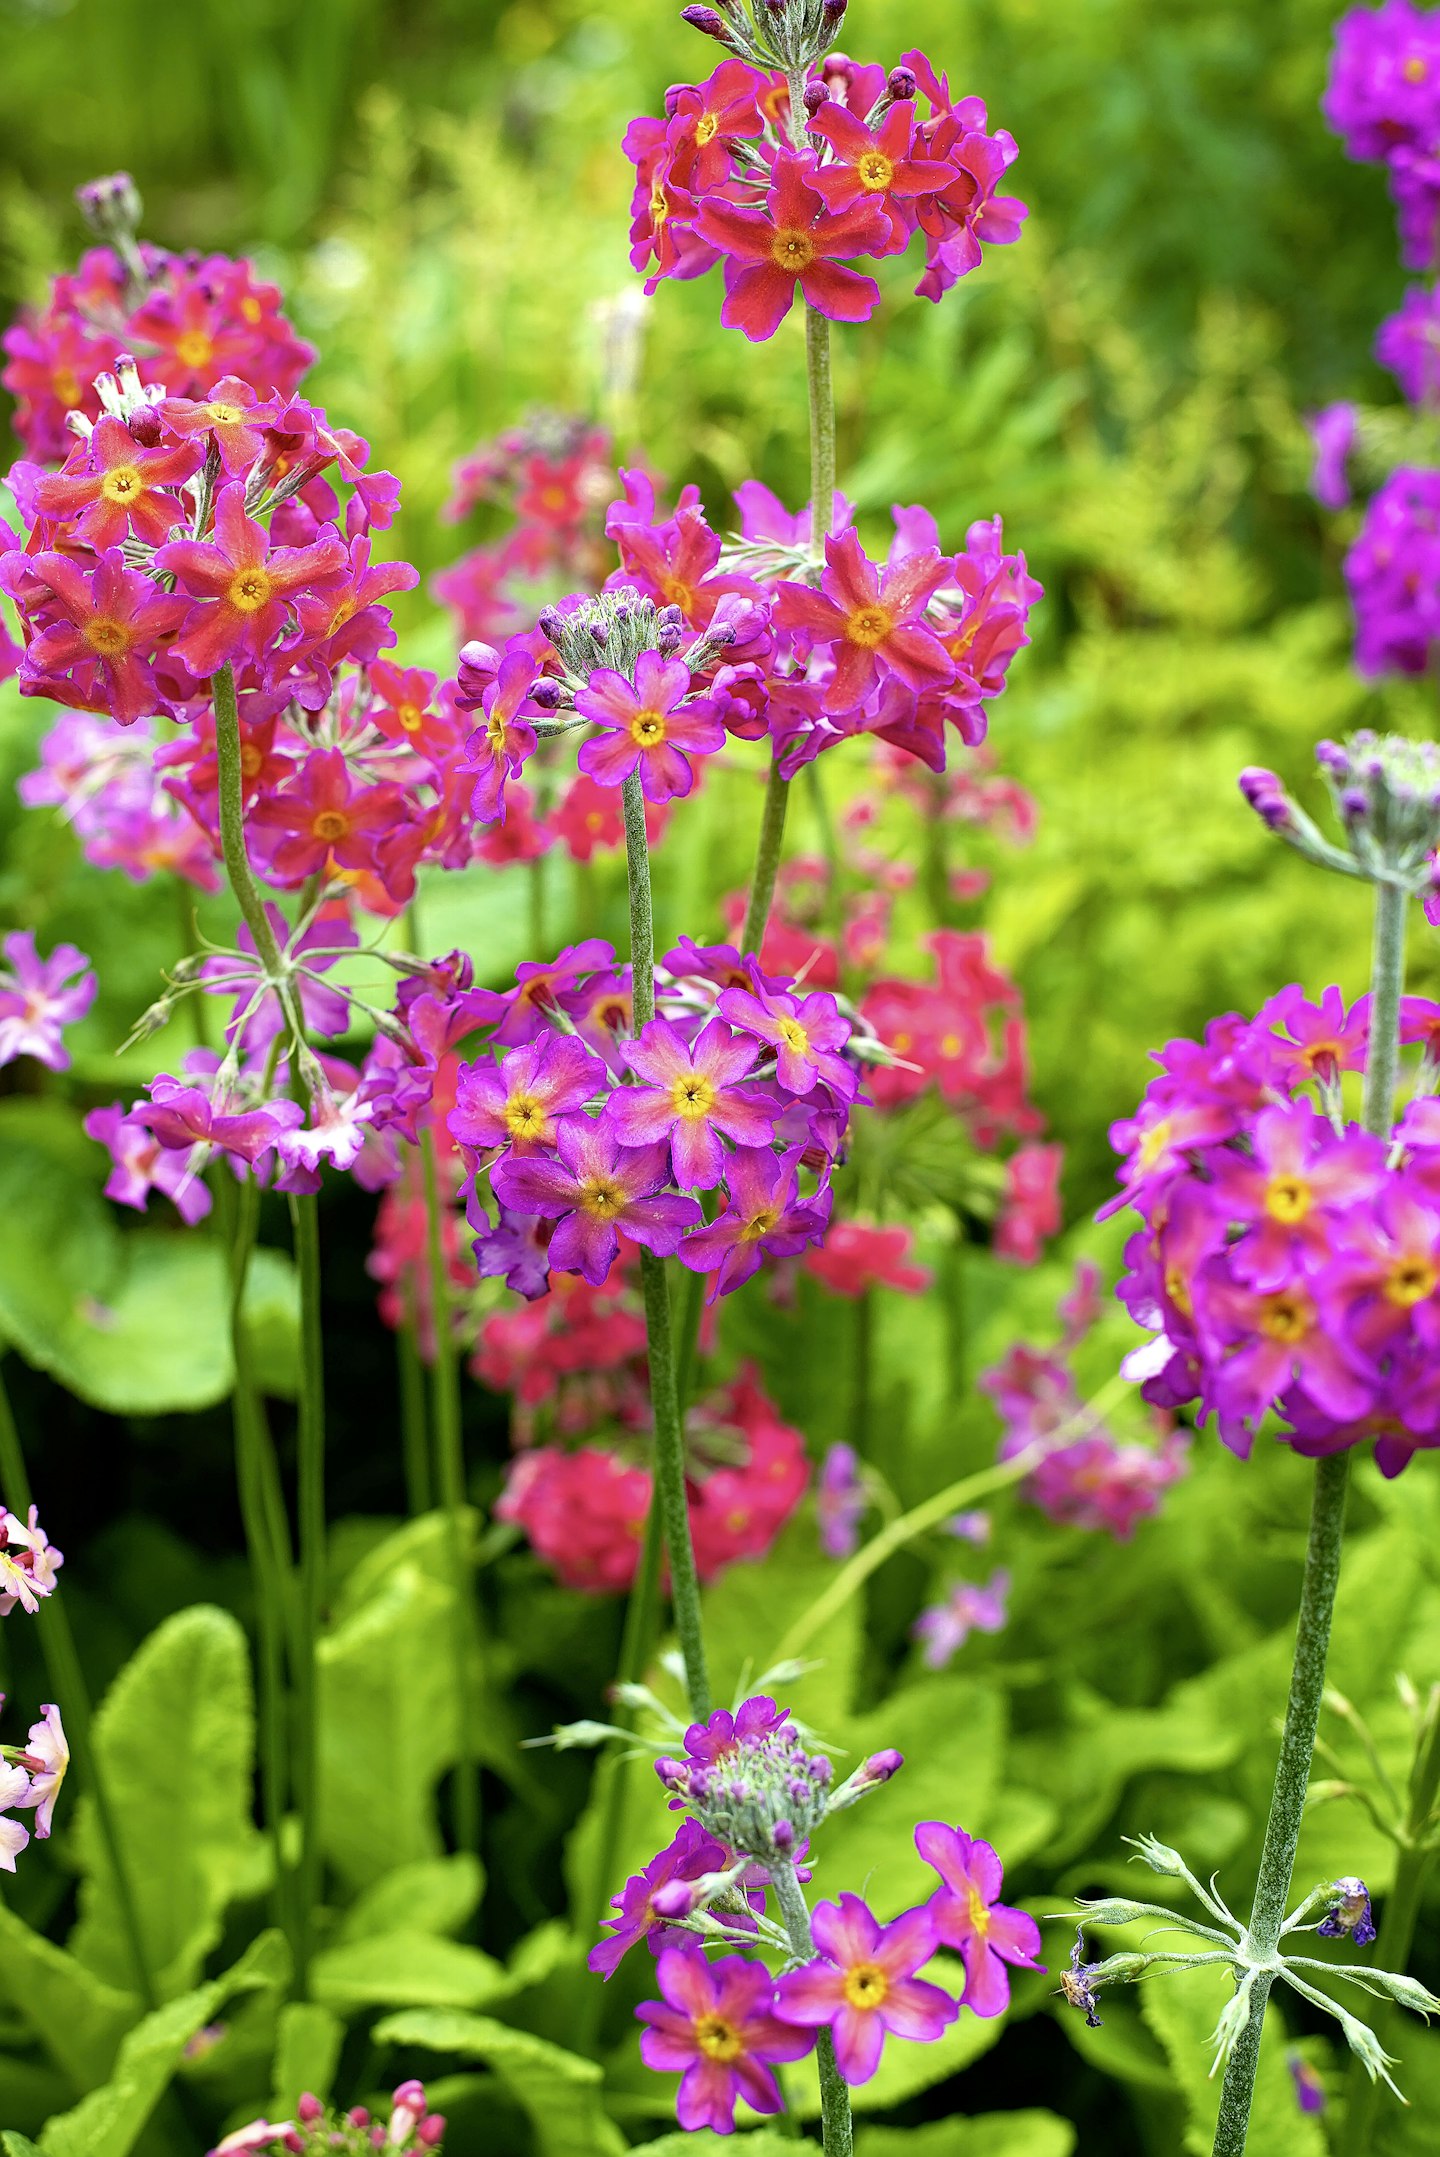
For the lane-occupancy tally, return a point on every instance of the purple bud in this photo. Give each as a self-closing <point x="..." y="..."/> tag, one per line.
<point x="547" y="694"/>
<point x="411" y="2095"/>
<point x="1354" y="804"/>
<point x="676" y="1898"/>
<point x="881" y="1766"/>
<point x="900" y="82"/>
<point x="600" y="632"/>
<point x="782" y="1835"/>
<point x="821" y="1768"/>
<point x="1332" y="758"/>
<point x="1267" y="797"/>
<point x="833" y="12"/>
<point x="668" y="638"/>
<point x="816" y="95"/>
<point x="671" y="1772"/>
<point x="550" y="622"/>
<point x="706" y="21"/>
<point x="672" y="100"/>
<point x="143" y="426"/>
<point x="358" y="2116"/>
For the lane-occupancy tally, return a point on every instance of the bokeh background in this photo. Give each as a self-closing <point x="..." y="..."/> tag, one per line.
<point x="438" y="186"/>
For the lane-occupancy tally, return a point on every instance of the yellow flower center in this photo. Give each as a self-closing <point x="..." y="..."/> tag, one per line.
<point x="793" y="250"/>
<point x="1414" y="69"/>
<point x="705" y="128"/>
<point x="525" y="1117"/>
<point x="869" y="626"/>
<point x="659" y="207"/>
<point x="1411" y="1280"/>
<point x="330" y="825"/>
<point x="66" y="386"/>
<point x="249" y="591"/>
<point x="194" y="349"/>
<point x="250" y="308"/>
<point x="1178" y="1290"/>
<point x="250" y="760"/>
<point x="759" y="1225"/>
<point x="679" y="593"/>
<point x="1288" y="1199"/>
<point x="1287" y="1315"/>
<point x="874" y="171"/>
<point x="717" y="2038"/>
<point x="979" y="1913"/>
<point x="411" y="717"/>
<point x="647" y="729"/>
<point x="950" y="1045"/>
<point x="225" y="415"/>
<point x="105" y="636"/>
<point x="1155" y="1143"/>
<point x="692" y="1097"/>
<point x="793" y="1034"/>
<point x="601" y="1199"/>
<point x="122" y="484"/>
<point x="866" y="1985"/>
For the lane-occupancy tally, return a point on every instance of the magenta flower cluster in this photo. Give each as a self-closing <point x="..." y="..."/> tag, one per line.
<point x="725" y="2025"/>
<point x="739" y="1087"/>
<point x="1383" y="98"/>
<point x="1393" y="572"/>
<point x="1289" y="1262"/>
<point x="39" y="998"/>
<point x="788" y="200"/>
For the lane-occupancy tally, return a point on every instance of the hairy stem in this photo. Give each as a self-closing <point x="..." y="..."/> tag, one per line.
<point x="231" y="786"/>
<point x="450" y="1482"/>
<point x="836" y="2128"/>
<point x="414" y="1435"/>
<point x="767" y="859"/>
<point x="62" y="1668"/>
<point x="1322" y="1575"/>
<point x="310" y="1512"/>
<point x="664" y="1392"/>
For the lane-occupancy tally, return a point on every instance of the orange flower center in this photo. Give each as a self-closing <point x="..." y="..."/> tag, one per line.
<point x="874" y="171"/>
<point x="249" y="591"/>
<point x="195" y="349"/>
<point x="1410" y="1280"/>
<point x="601" y="1199"/>
<point x="1178" y="1290"/>
<point x="1287" y="1315"/>
<point x="106" y="636"/>
<point x="647" y="729"/>
<point x="717" y="2038"/>
<point x="411" y="717"/>
<point x="330" y="825"/>
<point x="65" y="385"/>
<point x="869" y="626"/>
<point x="792" y="250"/>
<point x="122" y="484"/>
<point x="1288" y="1199"/>
<point x="759" y="1224"/>
<point x="866" y="1985"/>
<point x="1414" y="69"/>
<point x="250" y="760"/>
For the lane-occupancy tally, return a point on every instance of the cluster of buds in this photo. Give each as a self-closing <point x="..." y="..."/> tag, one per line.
<point x="316" y="2131"/>
<point x="1385" y="790"/>
<point x="787" y="34"/>
<point x="749" y="1781"/>
<point x="1255" y="1964"/>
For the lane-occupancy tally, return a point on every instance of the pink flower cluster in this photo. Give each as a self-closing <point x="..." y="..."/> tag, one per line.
<point x="1090" y="1480"/>
<point x="584" y="1511"/>
<point x="724" y="2025"/>
<point x="39" y="998"/>
<point x="30" y="1775"/>
<point x="740" y="1086"/>
<point x="1393" y="572"/>
<point x="554" y="476"/>
<point x="1383" y="97"/>
<point x="787" y="200"/>
<point x="186" y="319"/>
<point x="1289" y="1262"/>
<point x="963" y="1034"/>
<point x="410" y="2130"/>
<point x="109" y="786"/>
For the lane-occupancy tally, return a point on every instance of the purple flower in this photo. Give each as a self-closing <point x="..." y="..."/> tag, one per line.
<point x="967" y="1609"/>
<point x="1309" y="2089"/>
<point x="692" y="1854"/>
<point x="520" y="1104"/>
<point x="1393" y="572"/>
<point x="840" y="1501"/>
<point x="1384" y="87"/>
<point x="14" y="1790"/>
<point x="1332" y="431"/>
<point x="1349" y="1916"/>
<point x="40" y="996"/>
<point x="717" y="2027"/>
<point x="691" y="1098"/>
<point x="1408" y="343"/>
<point x="183" y="1116"/>
<point x="515" y="1250"/>
<point x="648" y="725"/>
<point x="862" y="1985"/>
<point x="806" y="1033"/>
<point x="970" y="1916"/>
<point x="722" y="1734"/>
<point x="519" y="1014"/>
<point x="763" y="1212"/>
<point x="596" y="1187"/>
<point x="143" y="1165"/>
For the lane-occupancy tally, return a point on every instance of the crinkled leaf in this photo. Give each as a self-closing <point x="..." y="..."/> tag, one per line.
<point x="175" y="1739"/>
<point x="436" y="1894"/>
<point x="76" y="2016"/>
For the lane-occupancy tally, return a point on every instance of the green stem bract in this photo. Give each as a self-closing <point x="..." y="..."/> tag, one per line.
<point x="1321" y="1578"/>
<point x="450" y="1483"/>
<point x="72" y="1697"/>
<point x="836" y="2126"/>
<point x="269" y="1567"/>
<point x="660" y="1346"/>
<point x="310" y="1484"/>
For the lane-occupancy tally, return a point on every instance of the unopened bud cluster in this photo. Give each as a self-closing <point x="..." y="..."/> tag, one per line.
<point x="754" y="1787"/>
<point x="771" y="33"/>
<point x="1385" y="791"/>
<point x="412" y="2130"/>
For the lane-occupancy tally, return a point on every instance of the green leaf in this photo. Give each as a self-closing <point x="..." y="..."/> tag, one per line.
<point x="307" y="2053"/>
<point x="175" y="1739"/>
<point x="993" y="2134"/>
<point x="387" y="1692"/>
<point x="704" y="2142"/>
<point x="17" y="2145"/>
<point x="406" y="1969"/>
<point x="1182" y="2010"/>
<point x="436" y="1894"/>
<point x="905" y="2069"/>
<point x="78" y="2018"/>
<point x="109" y="2121"/>
<point x="749" y="1610"/>
<point x="158" y="1342"/>
<point x="558" y="2090"/>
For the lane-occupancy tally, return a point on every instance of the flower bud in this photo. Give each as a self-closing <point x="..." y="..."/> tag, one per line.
<point x="411" y="2095"/>
<point x="309" y="2109"/>
<point x="706" y="21"/>
<point x="431" y="2130"/>
<point x="816" y="95"/>
<point x="881" y="1766"/>
<point x="675" y="1898"/>
<point x="1265" y="793"/>
<point x="110" y="205"/>
<point x="834" y="12"/>
<point x="900" y="82"/>
<point x="548" y="694"/>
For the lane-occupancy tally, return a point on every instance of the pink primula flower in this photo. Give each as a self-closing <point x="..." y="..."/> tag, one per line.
<point x="863" y="1985"/>
<point x="793" y="241"/>
<point x="970" y="1916"/>
<point x="717" y="2027"/>
<point x="595" y="1188"/>
<point x="648" y="727"/>
<point x="871" y="620"/>
<point x="692" y="1098"/>
<point x="245" y="589"/>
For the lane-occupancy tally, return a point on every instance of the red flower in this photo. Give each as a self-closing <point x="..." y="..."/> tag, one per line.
<point x="231" y="416"/>
<point x="119" y="488"/>
<point x="871" y="168"/>
<point x="244" y="585"/>
<point x="794" y="240"/>
<point x="873" y="620"/>
<point x="112" y="620"/>
<point x="326" y="820"/>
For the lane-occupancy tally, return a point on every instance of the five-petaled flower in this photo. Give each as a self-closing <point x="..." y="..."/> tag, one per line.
<point x="793" y="240"/>
<point x="692" y="1097"/>
<point x="648" y="727"/>
<point x="717" y="2025"/>
<point x="863" y="1985"/>
<point x="871" y="620"/>
<point x="970" y="1916"/>
<point x="245" y="589"/>
<point x="764" y="1213"/>
<point x="596" y="1187"/>
<point x="119" y="487"/>
<point x="519" y="1103"/>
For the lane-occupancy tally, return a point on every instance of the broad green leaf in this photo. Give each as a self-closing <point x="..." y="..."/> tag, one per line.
<point x="307" y="2052"/>
<point x="17" y="2145"/>
<point x="1406" y="2130"/>
<point x="1182" y="2010"/>
<point x="76" y="2016"/>
<point x="994" y="2134"/>
<point x="703" y="2142"/>
<point x="406" y="1969"/>
<point x="158" y="1341"/>
<point x="387" y="1693"/>
<point x="905" y="2069"/>
<point x="558" y="2090"/>
<point x="108" y="2122"/>
<point x="436" y="1894"/>
<point x="175" y="1739"/>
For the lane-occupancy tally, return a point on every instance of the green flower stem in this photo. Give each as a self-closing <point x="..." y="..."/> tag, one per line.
<point x="231" y="787"/>
<point x="664" y="1392"/>
<point x="853" y="1575"/>
<point x="862" y="1371"/>
<point x="310" y="1480"/>
<point x="62" y="1668"/>
<point x="450" y="1484"/>
<point x="1399" y="1917"/>
<point x="836" y="2128"/>
<point x="269" y="1568"/>
<point x="767" y="859"/>
<point x="414" y="1436"/>
<point x="1321" y="1577"/>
